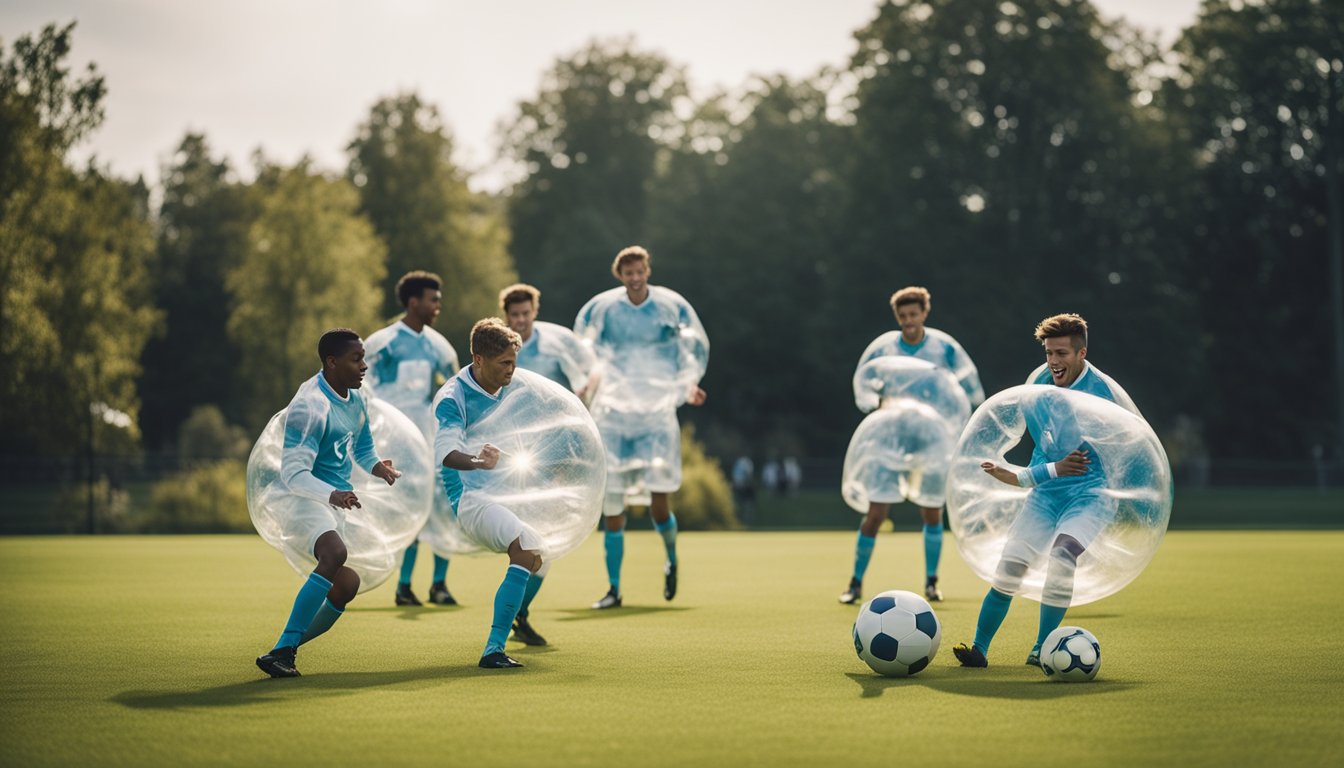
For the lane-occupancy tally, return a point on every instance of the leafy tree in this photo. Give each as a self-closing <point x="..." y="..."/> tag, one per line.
<point x="74" y="247"/>
<point x="1258" y="102"/>
<point x="203" y="221"/>
<point x="745" y="221"/>
<point x="1007" y="156"/>
<point x="311" y="263"/>
<point x="588" y="144"/>
<point x="420" y="205"/>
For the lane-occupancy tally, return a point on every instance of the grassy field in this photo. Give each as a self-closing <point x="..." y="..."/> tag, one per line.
<point x="138" y="651"/>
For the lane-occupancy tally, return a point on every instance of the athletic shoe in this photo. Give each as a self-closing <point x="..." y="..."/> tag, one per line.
<point x="523" y="632"/>
<point x="279" y="663"/>
<point x="439" y="594"/>
<point x="853" y="594"/>
<point x="669" y="581"/>
<point x="405" y="596"/>
<point x="931" y="592"/>
<point x="970" y="656"/>
<point x="1034" y="659"/>
<point x="610" y="600"/>
<point x="498" y="660"/>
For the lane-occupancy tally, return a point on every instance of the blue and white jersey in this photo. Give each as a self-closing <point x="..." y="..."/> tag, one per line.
<point x="556" y="353"/>
<point x="323" y="432"/>
<point x="459" y="404"/>
<point x="1056" y="432"/>
<point x="936" y="347"/>
<point x="402" y="369"/>
<point x="651" y="353"/>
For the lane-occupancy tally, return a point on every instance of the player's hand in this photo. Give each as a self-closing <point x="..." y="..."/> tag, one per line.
<point x="696" y="396"/>
<point x="343" y="500"/>
<point x="999" y="473"/>
<point x="384" y="470"/>
<point x="487" y="458"/>
<point x="1073" y="464"/>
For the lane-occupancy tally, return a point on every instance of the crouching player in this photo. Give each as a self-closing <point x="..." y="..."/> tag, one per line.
<point x="327" y="422"/>
<point x="467" y="397"/>
<point x="1065" y="508"/>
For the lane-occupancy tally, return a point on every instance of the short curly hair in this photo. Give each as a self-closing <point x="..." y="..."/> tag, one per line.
<point x="1066" y="324"/>
<point x="912" y="294"/>
<point x="518" y="293"/>
<point x="491" y="338"/>
<point x="414" y="284"/>
<point x="629" y="256"/>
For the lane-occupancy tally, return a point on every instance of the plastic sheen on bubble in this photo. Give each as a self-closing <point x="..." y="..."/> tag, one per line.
<point x="376" y="533"/>
<point x="1129" y="477"/>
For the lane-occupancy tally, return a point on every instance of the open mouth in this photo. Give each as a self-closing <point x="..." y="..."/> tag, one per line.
<point x="1057" y="373"/>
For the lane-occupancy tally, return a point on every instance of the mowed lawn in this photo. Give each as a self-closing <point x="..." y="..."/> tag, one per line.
<point x="138" y="651"/>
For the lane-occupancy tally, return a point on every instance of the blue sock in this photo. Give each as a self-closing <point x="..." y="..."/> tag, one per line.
<point x="306" y="604"/>
<point x="507" y="600"/>
<point x="862" y="554"/>
<point x="668" y="531"/>
<point x="326" y="616"/>
<point x="933" y="548"/>
<point x="533" y="584"/>
<point x="1051" y="618"/>
<point x="408" y="563"/>
<point x="992" y="611"/>
<point x="440" y="568"/>
<point x="615" y="541"/>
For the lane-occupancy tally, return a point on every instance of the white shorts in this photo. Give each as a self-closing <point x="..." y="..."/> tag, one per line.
<point x="303" y="521"/>
<point x="494" y="526"/>
<point x="925" y="489"/>
<point x="1083" y="514"/>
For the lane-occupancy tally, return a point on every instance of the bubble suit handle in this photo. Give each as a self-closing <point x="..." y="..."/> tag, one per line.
<point x="376" y="533"/>
<point x="1123" y="500"/>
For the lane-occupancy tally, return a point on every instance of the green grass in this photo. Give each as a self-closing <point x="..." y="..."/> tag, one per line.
<point x="138" y="651"/>
<point x="1195" y="508"/>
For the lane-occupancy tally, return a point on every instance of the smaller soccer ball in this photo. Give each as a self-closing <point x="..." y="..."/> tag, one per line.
<point x="896" y="633"/>
<point x="1071" y="654"/>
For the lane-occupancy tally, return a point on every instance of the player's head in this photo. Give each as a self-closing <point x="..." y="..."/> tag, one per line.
<point x="519" y="303"/>
<point x="494" y="353"/>
<point x="342" y="355"/>
<point x="421" y="293"/>
<point x="1065" y="340"/>
<point x="911" y="307"/>
<point x="632" y="267"/>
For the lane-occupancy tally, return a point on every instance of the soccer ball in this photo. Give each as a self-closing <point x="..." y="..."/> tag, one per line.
<point x="897" y="633"/>
<point x="1071" y="654"/>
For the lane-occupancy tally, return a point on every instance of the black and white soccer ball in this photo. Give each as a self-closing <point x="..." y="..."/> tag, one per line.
<point x="1071" y="654"/>
<point x="897" y="633"/>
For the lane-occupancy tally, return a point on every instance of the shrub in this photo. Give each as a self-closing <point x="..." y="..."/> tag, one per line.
<point x="705" y="501"/>
<point x="207" y="499"/>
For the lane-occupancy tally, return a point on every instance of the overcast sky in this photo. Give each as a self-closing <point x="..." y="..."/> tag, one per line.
<point x="296" y="76"/>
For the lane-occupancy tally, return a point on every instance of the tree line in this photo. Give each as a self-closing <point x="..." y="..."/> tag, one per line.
<point x="1018" y="159"/>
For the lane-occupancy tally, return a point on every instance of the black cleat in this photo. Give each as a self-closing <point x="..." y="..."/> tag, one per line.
<point x="405" y="596"/>
<point x="439" y="594"/>
<point x="524" y="633"/>
<point x="970" y="656"/>
<point x="1034" y="659"/>
<point x="610" y="600"/>
<point x="669" y="581"/>
<point x="853" y="594"/>
<point x="498" y="660"/>
<point x="931" y="592"/>
<point x="279" y="663"/>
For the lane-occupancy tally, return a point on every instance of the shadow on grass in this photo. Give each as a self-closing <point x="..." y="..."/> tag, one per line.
<point x="1025" y="685"/>
<point x="409" y="612"/>
<point x="284" y="689"/>
<point x="582" y="614"/>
